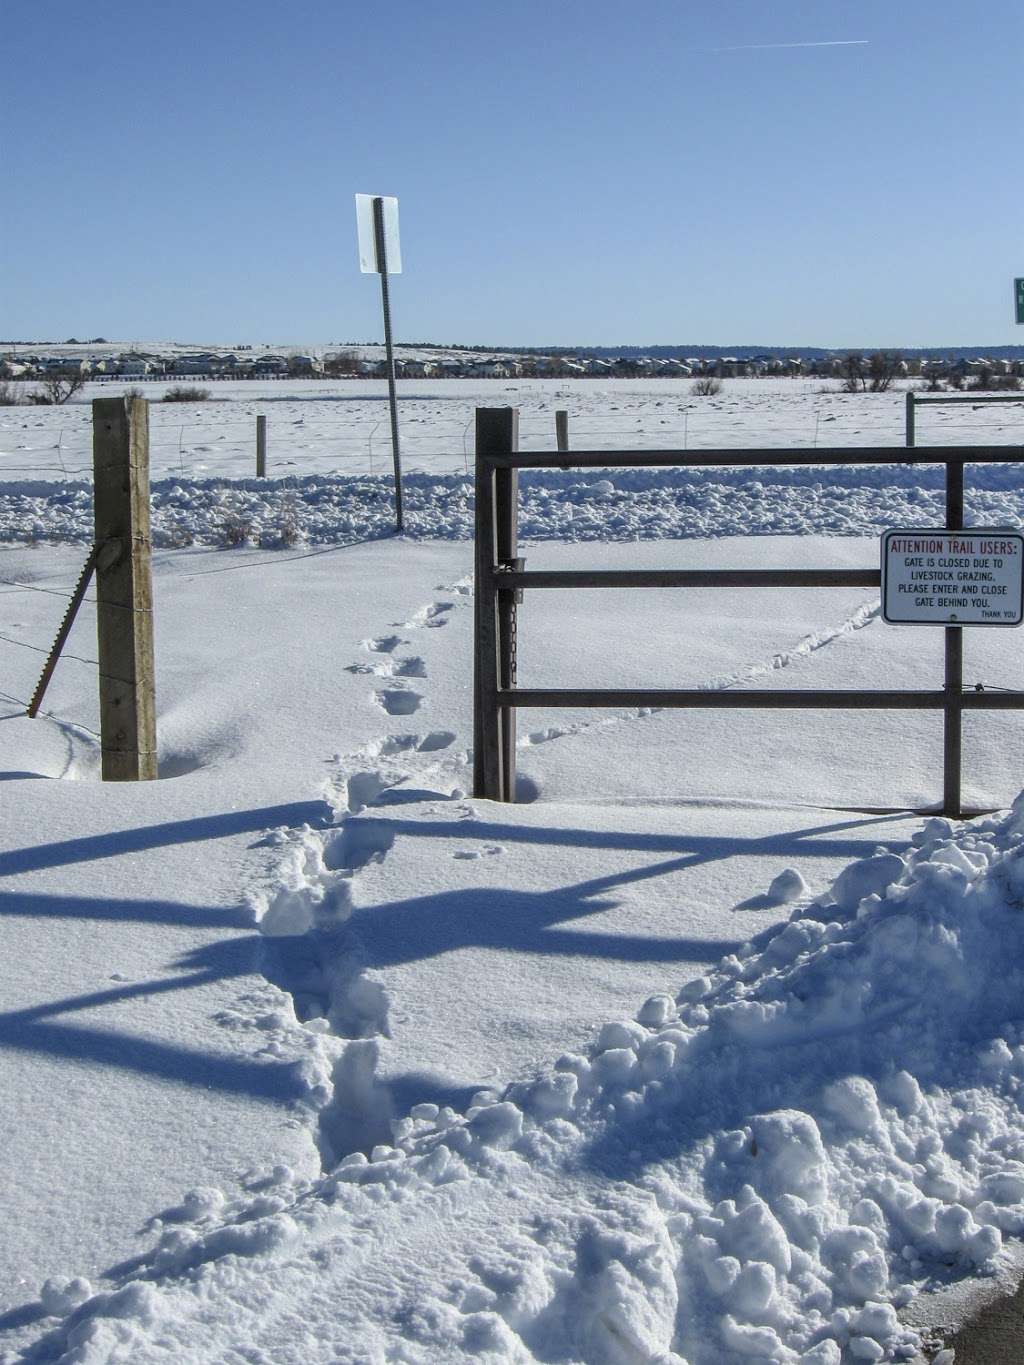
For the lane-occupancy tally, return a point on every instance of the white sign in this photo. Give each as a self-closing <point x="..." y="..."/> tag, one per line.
<point x="953" y="578"/>
<point x="368" y="262"/>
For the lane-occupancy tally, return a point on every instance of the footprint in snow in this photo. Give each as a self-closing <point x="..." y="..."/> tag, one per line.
<point x="385" y="644"/>
<point x="398" y="703"/>
<point x="434" y="615"/>
<point x="390" y="668"/>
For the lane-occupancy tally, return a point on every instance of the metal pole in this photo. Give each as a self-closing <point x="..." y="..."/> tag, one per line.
<point x="382" y="266"/>
<point x="506" y="518"/>
<point x="910" y="418"/>
<point x="261" y="447"/>
<point x="952" y="729"/>
<point x="493" y="437"/>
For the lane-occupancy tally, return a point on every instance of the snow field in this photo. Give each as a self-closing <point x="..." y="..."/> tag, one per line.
<point x="318" y="427"/>
<point x="807" y="1123"/>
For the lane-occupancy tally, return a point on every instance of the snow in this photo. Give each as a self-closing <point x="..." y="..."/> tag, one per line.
<point x="683" y="1058"/>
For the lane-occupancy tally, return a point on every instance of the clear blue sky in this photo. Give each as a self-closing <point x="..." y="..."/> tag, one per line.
<point x="568" y="171"/>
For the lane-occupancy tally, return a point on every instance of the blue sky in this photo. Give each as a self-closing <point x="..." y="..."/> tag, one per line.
<point x="568" y="172"/>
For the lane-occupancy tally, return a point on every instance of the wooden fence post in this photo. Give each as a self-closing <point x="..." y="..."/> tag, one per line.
<point x="124" y="589"/>
<point x="261" y="447"/>
<point x="497" y="432"/>
<point x="562" y="430"/>
<point x="911" y="436"/>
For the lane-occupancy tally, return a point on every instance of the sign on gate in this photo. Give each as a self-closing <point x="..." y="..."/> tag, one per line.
<point x="953" y="578"/>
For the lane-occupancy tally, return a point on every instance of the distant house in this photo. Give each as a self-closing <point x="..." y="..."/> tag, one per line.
<point x="305" y="365"/>
<point x="130" y="364"/>
<point x="270" y="366"/>
<point x="408" y="369"/>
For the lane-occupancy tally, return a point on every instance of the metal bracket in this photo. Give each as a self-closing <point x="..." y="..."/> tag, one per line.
<point x="65" y="627"/>
<point x="511" y="566"/>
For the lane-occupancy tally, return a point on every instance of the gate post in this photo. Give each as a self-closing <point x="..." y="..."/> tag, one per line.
<point x="952" y="715"/>
<point x="911" y="435"/>
<point x="497" y="434"/>
<point x="124" y="589"/>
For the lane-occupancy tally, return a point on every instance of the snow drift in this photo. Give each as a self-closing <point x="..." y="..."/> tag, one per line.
<point x="766" y="1167"/>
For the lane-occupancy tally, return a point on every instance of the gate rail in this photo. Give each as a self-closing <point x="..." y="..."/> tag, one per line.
<point x="500" y="581"/>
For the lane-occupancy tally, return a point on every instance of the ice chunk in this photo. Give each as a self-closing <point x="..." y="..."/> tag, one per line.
<point x="868" y="877"/>
<point x="787" y="887"/>
<point x="60" y="1296"/>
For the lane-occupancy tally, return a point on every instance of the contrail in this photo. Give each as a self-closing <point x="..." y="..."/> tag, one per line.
<point x="761" y="47"/>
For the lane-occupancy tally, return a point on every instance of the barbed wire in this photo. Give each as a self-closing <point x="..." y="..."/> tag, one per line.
<point x="48" y="715"/>
<point x="64" y="654"/>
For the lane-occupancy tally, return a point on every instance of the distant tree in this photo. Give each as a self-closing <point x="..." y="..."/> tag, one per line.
<point x="853" y="369"/>
<point x="933" y="376"/>
<point x="987" y="379"/>
<point x="57" y="389"/>
<point x="342" y="365"/>
<point x="706" y="386"/>
<point x="883" y="368"/>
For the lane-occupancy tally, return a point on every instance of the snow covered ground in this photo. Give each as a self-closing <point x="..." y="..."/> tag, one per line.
<point x="342" y="427"/>
<point x="309" y="1056"/>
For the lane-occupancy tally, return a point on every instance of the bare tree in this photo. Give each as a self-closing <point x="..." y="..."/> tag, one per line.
<point x="876" y="373"/>
<point x="854" y="372"/>
<point x="57" y="389"/>
<point x="706" y="386"/>
<point x="344" y="364"/>
<point x="883" y="368"/>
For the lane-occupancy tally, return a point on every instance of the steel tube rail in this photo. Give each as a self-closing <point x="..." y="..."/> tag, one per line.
<point x="689" y="578"/>
<point x="733" y="458"/>
<point x="754" y="699"/>
<point x="968" y="398"/>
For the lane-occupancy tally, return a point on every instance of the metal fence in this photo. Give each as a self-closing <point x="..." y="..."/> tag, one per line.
<point x="501" y="579"/>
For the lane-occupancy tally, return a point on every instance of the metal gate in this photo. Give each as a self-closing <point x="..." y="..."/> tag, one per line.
<point x="501" y="579"/>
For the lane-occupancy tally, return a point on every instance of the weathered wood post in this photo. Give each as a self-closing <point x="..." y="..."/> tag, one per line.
<point x="124" y="589"/>
<point x="562" y="430"/>
<point x="261" y="447"/>
<point x="494" y="735"/>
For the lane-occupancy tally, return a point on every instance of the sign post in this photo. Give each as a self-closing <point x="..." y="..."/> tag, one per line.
<point x="1018" y="298"/>
<point x="380" y="254"/>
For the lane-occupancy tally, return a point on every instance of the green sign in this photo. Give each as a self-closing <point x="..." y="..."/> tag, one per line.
<point x="1018" y="296"/>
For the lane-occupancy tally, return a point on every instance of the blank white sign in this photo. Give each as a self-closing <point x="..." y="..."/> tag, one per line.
<point x="368" y="262"/>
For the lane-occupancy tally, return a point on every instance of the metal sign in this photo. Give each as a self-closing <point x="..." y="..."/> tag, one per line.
<point x="369" y="254"/>
<point x="1018" y="298"/>
<point x="953" y="578"/>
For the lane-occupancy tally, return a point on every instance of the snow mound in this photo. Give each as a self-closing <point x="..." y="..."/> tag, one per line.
<point x="625" y="505"/>
<point x="767" y="1167"/>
